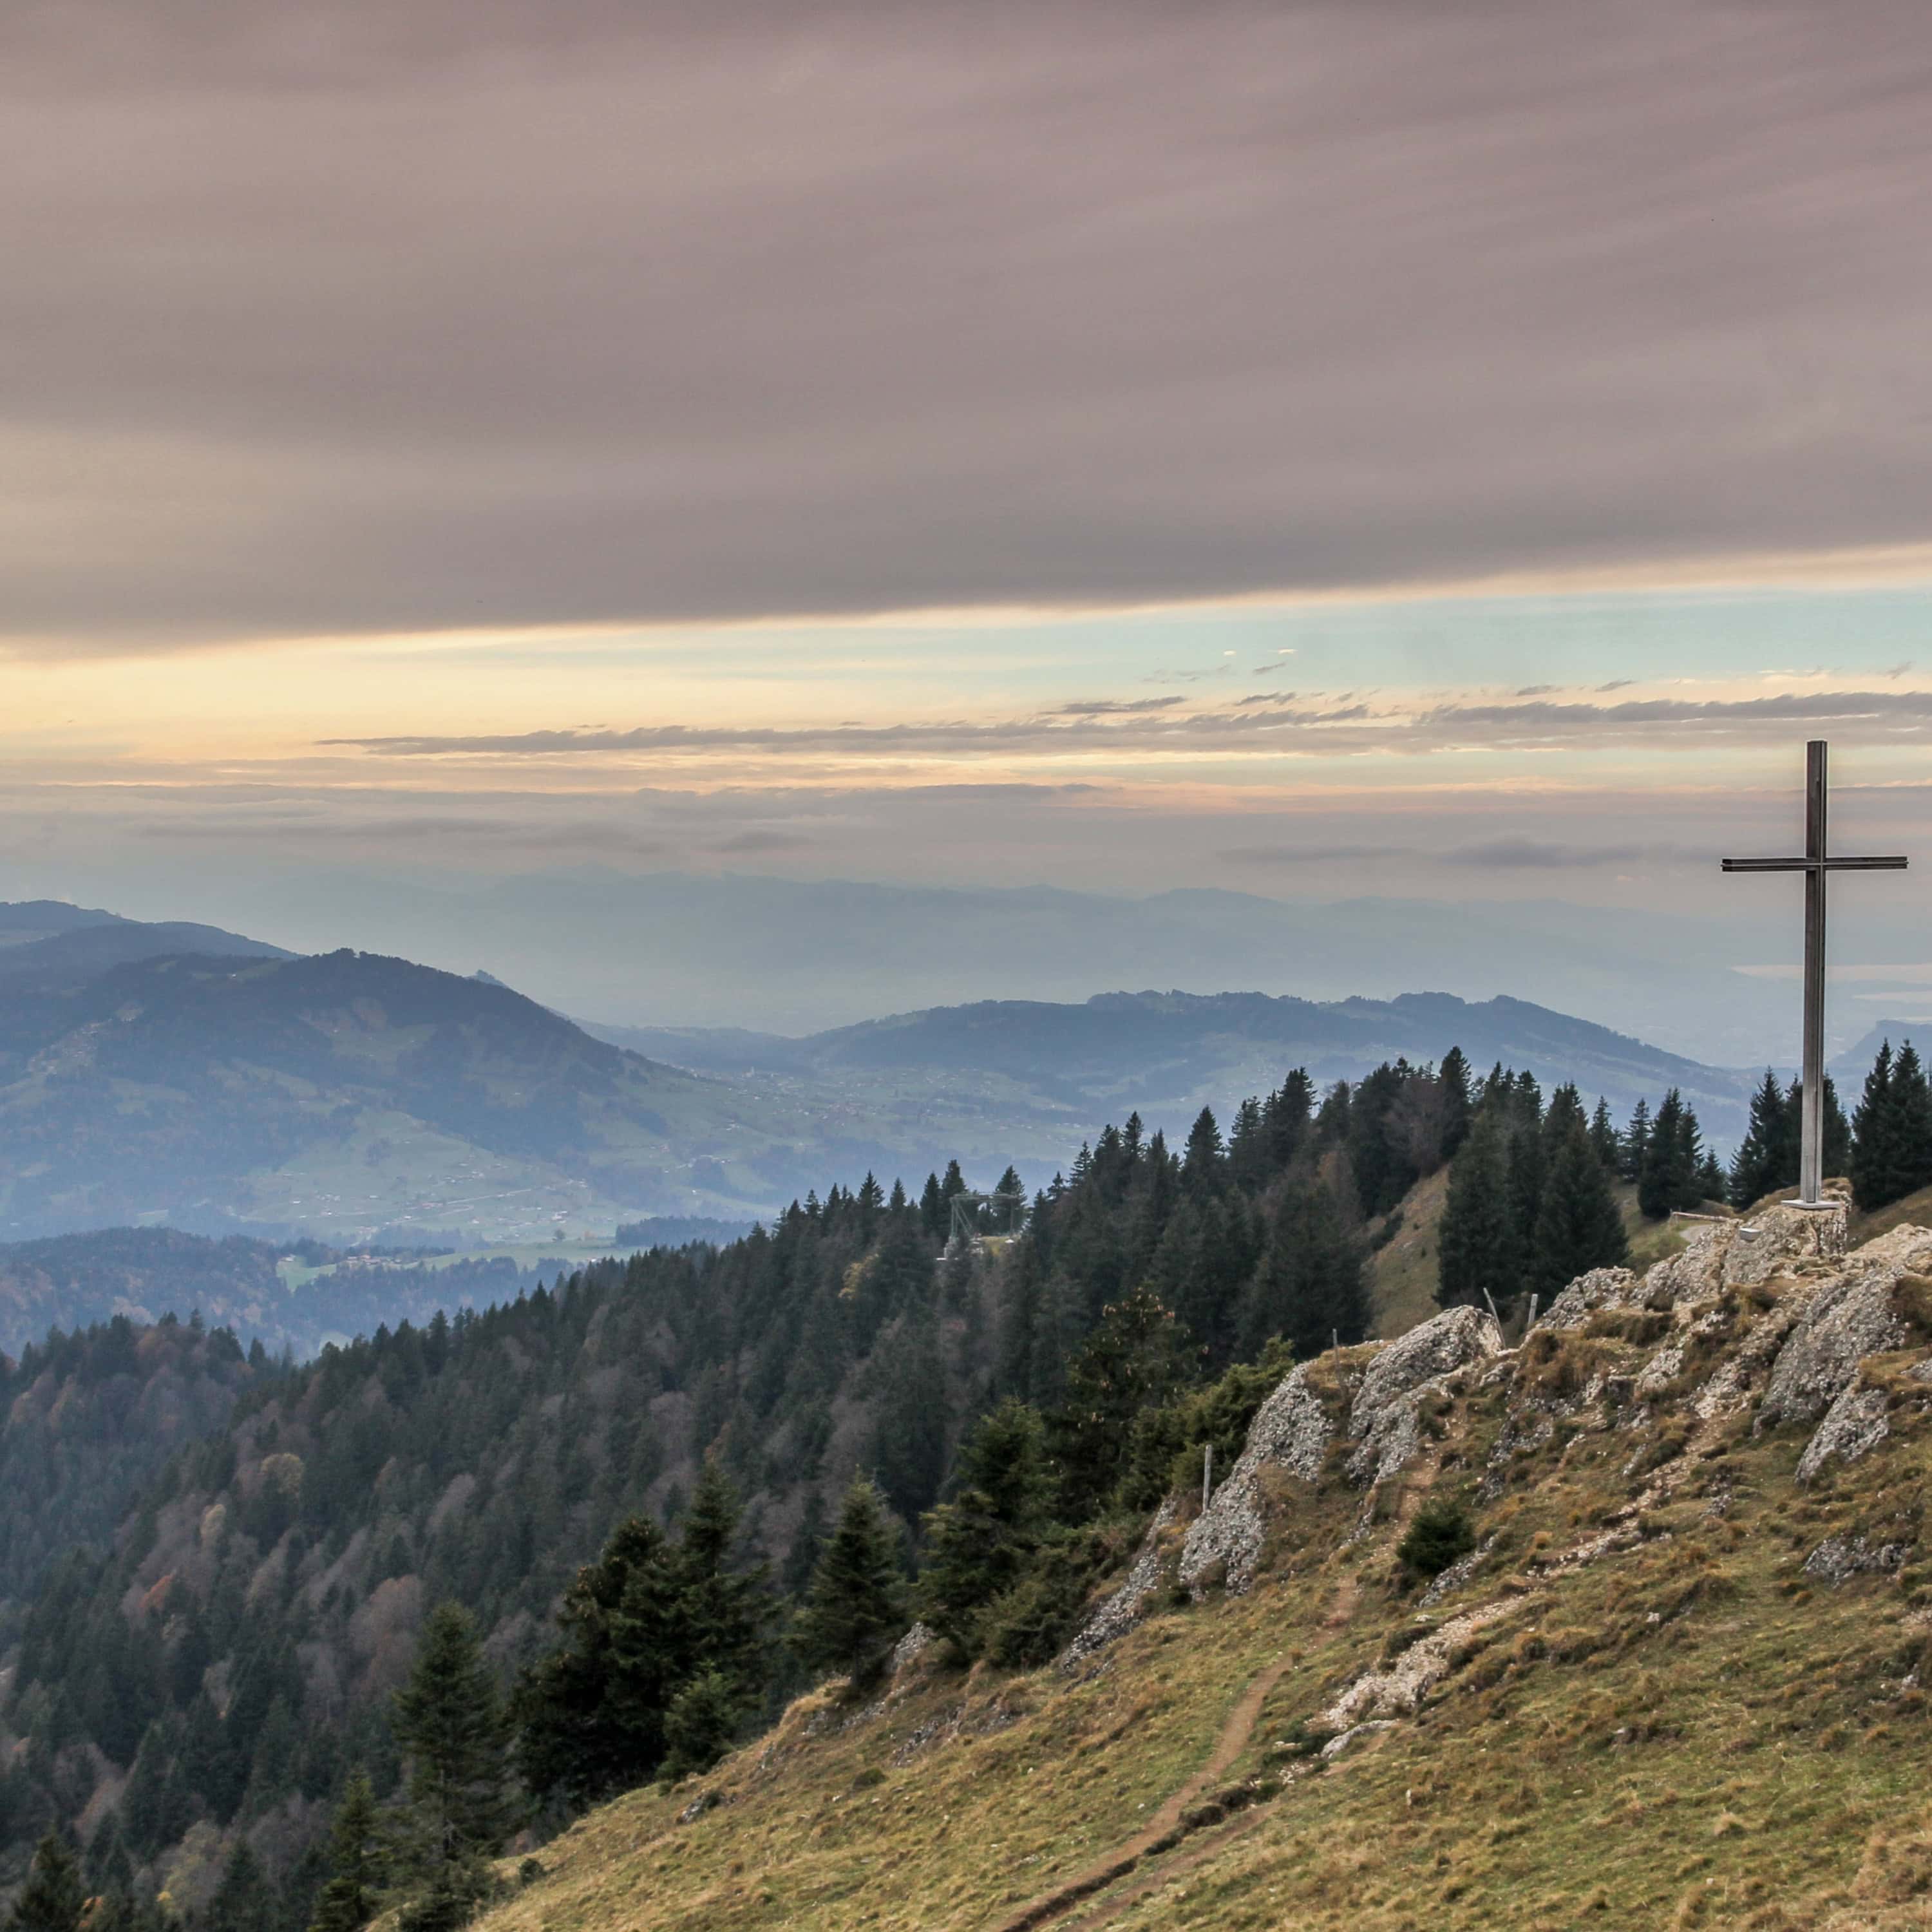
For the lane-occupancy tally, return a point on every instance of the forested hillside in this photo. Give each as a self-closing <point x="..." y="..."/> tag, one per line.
<point x="86" y="1419"/>
<point x="207" y="1681"/>
<point x="775" y="1452"/>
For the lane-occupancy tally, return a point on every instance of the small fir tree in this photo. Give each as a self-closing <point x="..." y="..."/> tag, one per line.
<point x="448" y="1719"/>
<point x="978" y="1545"/>
<point x="854" y="1610"/>
<point x="352" y="1896"/>
<point x="1578" y="1227"/>
<point x="52" y="1900"/>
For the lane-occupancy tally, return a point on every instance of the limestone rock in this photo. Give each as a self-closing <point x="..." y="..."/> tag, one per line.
<point x="1839" y="1558"/>
<point x="1601" y="1288"/>
<point x="910" y="1648"/>
<point x="1844" y="1318"/>
<point x="1854" y="1426"/>
<point x="1124" y="1608"/>
<point x="1290" y="1431"/>
<point x="1384" y="1419"/>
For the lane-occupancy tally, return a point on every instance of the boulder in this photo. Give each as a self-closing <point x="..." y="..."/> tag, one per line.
<point x="1384" y="1419"/>
<point x="1120" y="1612"/>
<point x="1291" y="1431"/>
<point x="1844" y="1318"/>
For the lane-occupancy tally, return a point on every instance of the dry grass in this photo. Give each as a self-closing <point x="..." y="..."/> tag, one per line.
<point x="1402" y="1273"/>
<point x="1688" y="1731"/>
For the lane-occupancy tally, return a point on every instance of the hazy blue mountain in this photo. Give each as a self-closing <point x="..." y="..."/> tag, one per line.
<point x="363" y="1099"/>
<point x="359" y="1097"/>
<point x="1168" y="1054"/>
<point x="96" y="941"/>
<point x="795" y="956"/>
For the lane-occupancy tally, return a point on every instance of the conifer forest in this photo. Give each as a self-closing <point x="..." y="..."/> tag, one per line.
<point x="387" y="1612"/>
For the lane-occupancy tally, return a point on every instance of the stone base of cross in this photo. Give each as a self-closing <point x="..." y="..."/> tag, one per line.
<point x="1814" y="865"/>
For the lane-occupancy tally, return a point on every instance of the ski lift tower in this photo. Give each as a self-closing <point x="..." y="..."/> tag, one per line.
<point x="966" y="1236"/>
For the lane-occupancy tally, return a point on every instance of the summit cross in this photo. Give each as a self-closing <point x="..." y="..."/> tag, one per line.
<point x="1814" y="865"/>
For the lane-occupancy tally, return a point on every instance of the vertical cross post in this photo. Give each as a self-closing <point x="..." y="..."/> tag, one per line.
<point x="1815" y="864"/>
<point x="1811" y="1138"/>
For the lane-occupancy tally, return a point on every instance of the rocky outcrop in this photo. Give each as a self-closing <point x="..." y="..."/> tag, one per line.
<point x="1385" y="1418"/>
<point x="1601" y="1288"/>
<point x="1128" y="1604"/>
<point x="1291" y="1431"/>
<point x="1839" y="1558"/>
<point x="1843" y="1319"/>
<point x="1717" y="1255"/>
<point x="1854" y="1426"/>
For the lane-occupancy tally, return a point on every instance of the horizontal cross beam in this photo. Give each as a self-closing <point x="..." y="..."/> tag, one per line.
<point x="1835" y="864"/>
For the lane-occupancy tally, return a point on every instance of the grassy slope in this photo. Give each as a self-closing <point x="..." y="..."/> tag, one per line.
<point x="1689" y="1731"/>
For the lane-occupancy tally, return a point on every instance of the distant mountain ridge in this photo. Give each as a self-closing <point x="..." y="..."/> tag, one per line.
<point x="1165" y="1052"/>
<point x="345" y="1092"/>
<point x="220" y="1085"/>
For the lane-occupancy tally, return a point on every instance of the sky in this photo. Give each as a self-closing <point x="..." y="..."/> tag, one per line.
<point x="1375" y="450"/>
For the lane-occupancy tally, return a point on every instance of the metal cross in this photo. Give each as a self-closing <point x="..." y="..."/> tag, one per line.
<point x="1814" y="865"/>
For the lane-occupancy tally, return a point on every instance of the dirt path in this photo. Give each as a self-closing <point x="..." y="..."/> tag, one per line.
<point x="1164" y="1830"/>
<point x="1203" y="1847"/>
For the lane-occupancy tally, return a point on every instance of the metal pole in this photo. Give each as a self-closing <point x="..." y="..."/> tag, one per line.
<point x="1811" y="1155"/>
<point x="1207" y="1476"/>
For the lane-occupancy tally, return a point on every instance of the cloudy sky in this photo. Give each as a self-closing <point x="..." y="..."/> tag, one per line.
<point x="1319" y="452"/>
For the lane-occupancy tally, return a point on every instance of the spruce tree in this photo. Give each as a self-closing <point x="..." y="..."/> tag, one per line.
<point x="1634" y="1146"/>
<point x="702" y="1723"/>
<point x="1473" y="1247"/>
<point x="1523" y="1186"/>
<point x="1767" y="1157"/>
<point x="978" y="1545"/>
<point x="1453" y="1079"/>
<point x="721" y="1608"/>
<point x="1911" y="1122"/>
<point x="448" y="1719"/>
<point x="1311" y="1287"/>
<point x="1672" y="1158"/>
<point x="244" y="1900"/>
<point x="1876" y="1166"/>
<point x="1605" y="1142"/>
<point x="909" y="1440"/>
<point x="591" y="1714"/>
<point x="52" y="1900"/>
<point x="1204" y="1164"/>
<point x="1578" y="1227"/>
<point x="1837" y="1153"/>
<point x="1137" y="1356"/>
<point x="853" y="1611"/>
<point x="1286" y="1114"/>
<point x="352" y="1895"/>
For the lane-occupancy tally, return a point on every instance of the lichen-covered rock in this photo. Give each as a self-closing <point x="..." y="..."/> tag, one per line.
<point x="1601" y="1288"/>
<point x="1437" y="1347"/>
<point x="1839" y="1558"/>
<point x="1854" y="1426"/>
<point x="1779" y="1236"/>
<point x="1385" y="1418"/>
<point x="1845" y="1318"/>
<point x="910" y="1648"/>
<point x="1121" y="1611"/>
<point x="1291" y="1431"/>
